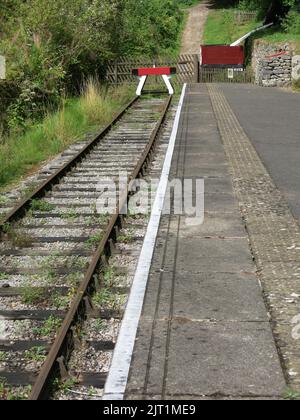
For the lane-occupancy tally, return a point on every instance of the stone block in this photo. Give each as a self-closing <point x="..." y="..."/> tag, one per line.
<point x="2" y="68"/>
<point x="296" y="67"/>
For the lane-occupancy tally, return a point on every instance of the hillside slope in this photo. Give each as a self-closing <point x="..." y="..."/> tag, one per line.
<point x="194" y="29"/>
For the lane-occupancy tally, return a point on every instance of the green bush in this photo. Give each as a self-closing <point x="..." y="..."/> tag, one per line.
<point x="52" y="46"/>
<point x="291" y="23"/>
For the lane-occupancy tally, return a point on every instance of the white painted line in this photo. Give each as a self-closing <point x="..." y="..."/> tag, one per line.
<point x="118" y="375"/>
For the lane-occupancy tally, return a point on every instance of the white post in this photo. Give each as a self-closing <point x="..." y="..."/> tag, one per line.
<point x="230" y="74"/>
<point x="296" y="68"/>
<point x="2" y="68"/>
<point x="168" y="84"/>
<point x="141" y="85"/>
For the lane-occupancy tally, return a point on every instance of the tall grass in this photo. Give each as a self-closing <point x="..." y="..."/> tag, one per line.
<point x="221" y="27"/>
<point x="96" y="106"/>
<point x="296" y="85"/>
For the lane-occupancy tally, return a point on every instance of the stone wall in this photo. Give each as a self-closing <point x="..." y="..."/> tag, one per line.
<point x="272" y="64"/>
<point x="296" y="68"/>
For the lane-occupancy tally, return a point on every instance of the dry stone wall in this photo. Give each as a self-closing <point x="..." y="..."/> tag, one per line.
<point x="273" y="64"/>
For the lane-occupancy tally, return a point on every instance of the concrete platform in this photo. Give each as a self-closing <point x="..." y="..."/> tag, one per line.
<point x="270" y="117"/>
<point x="204" y="332"/>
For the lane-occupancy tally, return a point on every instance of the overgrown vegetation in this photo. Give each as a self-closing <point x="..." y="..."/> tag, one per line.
<point x="37" y="354"/>
<point x="222" y="27"/>
<point x="9" y="393"/>
<point x="49" y="327"/>
<point x="52" y="46"/>
<point x="94" y="108"/>
<point x="297" y="85"/>
<point x="33" y="295"/>
<point x="291" y="394"/>
<point x="41" y="205"/>
<point x="188" y="3"/>
<point x="16" y="236"/>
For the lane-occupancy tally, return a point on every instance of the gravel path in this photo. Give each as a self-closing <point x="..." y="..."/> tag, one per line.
<point x="193" y="33"/>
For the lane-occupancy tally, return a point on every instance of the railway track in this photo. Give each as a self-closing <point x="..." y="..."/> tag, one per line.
<point x="54" y="251"/>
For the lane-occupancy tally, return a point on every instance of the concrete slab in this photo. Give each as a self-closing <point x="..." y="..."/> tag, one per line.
<point x="148" y="374"/>
<point x="218" y="297"/>
<point x="206" y="159"/>
<point x="158" y="301"/>
<point x="220" y="203"/>
<point x="215" y="225"/>
<point x="217" y="185"/>
<point x="214" y="255"/>
<point x="225" y="358"/>
<point x="209" y="170"/>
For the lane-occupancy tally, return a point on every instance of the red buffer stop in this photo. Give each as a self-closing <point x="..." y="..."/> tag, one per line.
<point x="165" y="72"/>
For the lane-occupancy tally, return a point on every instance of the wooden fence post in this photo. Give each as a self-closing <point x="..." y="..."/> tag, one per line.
<point x="116" y="72"/>
<point x="196" y="68"/>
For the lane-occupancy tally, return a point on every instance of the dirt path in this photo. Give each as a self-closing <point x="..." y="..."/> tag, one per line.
<point x="193" y="33"/>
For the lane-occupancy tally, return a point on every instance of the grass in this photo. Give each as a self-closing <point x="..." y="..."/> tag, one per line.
<point x="3" y="200"/>
<point x="277" y="35"/>
<point x="18" y="238"/>
<point x="71" y="215"/>
<point x="41" y="205"/>
<point x="7" y="393"/>
<point x="64" y="386"/>
<point x="108" y="300"/>
<point x="20" y="154"/>
<point x="291" y="394"/>
<point x="59" y="301"/>
<point x="186" y="4"/>
<point x="99" y="325"/>
<point x="221" y="27"/>
<point x="126" y="237"/>
<point x="33" y="295"/>
<point x="296" y="86"/>
<point x="109" y="276"/>
<point x="37" y="354"/>
<point x="49" y="327"/>
<point x="94" y="240"/>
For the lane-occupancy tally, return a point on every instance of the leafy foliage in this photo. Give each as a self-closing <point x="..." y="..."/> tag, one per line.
<point x="52" y="46"/>
<point x="94" y="108"/>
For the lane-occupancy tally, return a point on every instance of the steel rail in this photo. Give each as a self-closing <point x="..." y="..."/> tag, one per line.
<point x="63" y="342"/>
<point x="24" y="205"/>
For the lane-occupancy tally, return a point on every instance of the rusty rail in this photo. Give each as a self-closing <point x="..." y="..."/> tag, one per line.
<point x="64" y="342"/>
<point x="24" y="205"/>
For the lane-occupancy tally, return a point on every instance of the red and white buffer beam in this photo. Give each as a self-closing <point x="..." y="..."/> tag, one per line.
<point x="165" y="72"/>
